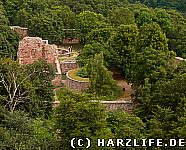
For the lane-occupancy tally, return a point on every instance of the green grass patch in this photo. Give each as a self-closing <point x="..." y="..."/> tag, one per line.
<point x="73" y="74"/>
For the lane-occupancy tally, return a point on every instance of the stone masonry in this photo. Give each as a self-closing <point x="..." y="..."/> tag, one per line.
<point x="32" y="49"/>
<point x="76" y="85"/>
<point x="68" y="65"/>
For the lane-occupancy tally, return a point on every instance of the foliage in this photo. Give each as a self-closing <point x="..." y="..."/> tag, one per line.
<point x="87" y="21"/>
<point x="171" y="4"/>
<point x="9" y="41"/>
<point x="82" y="73"/>
<point x="67" y="16"/>
<point x="89" y="50"/>
<point x="14" y="81"/>
<point x="162" y="106"/>
<point x="48" y="25"/>
<point x="101" y="81"/>
<point x="123" y="15"/>
<point x="3" y="18"/>
<point x="99" y="35"/>
<point x="125" y="125"/>
<point x="137" y="39"/>
<point x="122" y="45"/>
<point x="142" y="14"/>
<point x="97" y="6"/>
<point x="43" y="89"/>
<point x="164" y="20"/>
<point x="177" y="37"/>
<point x="151" y="59"/>
<point x="26" y="88"/>
<point x="78" y="117"/>
<point x="18" y="131"/>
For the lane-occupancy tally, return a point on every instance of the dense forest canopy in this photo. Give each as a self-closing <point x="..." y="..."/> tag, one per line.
<point x="139" y="38"/>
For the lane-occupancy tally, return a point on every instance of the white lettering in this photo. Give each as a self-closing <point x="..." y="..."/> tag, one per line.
<point x="135" y="143"/>
<point x="181" y="142"/>
<point x="128" y="142"/>
<point x="101" y="142"/>
<point x="144" y="142"/>
<point x="110" y="142"/>
<point x="159" y="142"/>
<point x="172" y="142"/>
<point x="151" y="141"/>
<point x="79" y="142"/>
<point x="119" y="142"/>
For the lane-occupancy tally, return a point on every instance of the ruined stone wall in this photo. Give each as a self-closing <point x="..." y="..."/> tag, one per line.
<point x="32" y="49"/>
<point x="51" y="53"/>
<point x="22" y="32"/>
<point x="76" y="85"/>
<point x="114" y="105"/>
<point x="68" y="65"/>
<point x="71" y="41"/>
<point x="127" y="106"/>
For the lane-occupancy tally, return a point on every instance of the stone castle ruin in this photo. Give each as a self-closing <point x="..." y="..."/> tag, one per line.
<point x="32" y="49"/>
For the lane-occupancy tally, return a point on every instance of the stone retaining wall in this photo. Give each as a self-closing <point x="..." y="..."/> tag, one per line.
<point x="68" y="65"/>
<point x="114" y="105"/>
<point x="76" y="85"/>
<point x="111" y="105"/>
<point x="71" y="41"/>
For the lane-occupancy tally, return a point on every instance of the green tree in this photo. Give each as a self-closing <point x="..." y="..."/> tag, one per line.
<point x="3" y="18"/>
<point x="48" y="25"/>
<point x="142" y="14"/>
<point x="43" y="74"/>
<point x="123" y="15"/>
<point x="17" y="10"/>
<point x="152" y="59"/>
<point x="9" y="41"/>
<point x="14" y="80"/>
<point x="124" y="125"/>
<point x="99" y="35"/>
<point x="177" y="37"/>
<point x="78" y="117"/>
<point x="171" y="4"/>
<point x="18" y="131"/>
<point x="27" y="88"/>
<point x="101" y="81"/>
<point x="67" y="15"/>
<point x="164" y="20"/>
<point x="123" y="45"/>
<point x="87" y="20"/>
<point x="89" y="50"/>
<point x="162" y="106"/>
<point x="22" y="17"/>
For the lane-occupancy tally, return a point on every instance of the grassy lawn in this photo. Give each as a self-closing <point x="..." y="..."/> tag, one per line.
<point x="66" y="58"/>
<point x="73" y="74"/>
